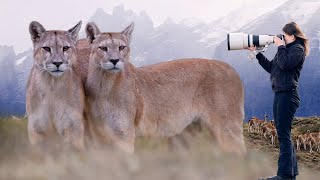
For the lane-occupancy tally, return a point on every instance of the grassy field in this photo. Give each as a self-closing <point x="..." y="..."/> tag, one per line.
<point x="152" y="160"/>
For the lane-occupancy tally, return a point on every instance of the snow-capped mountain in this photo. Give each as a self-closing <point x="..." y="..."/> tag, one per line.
<point x="8" y="80"/>
<point x="172" y="40"/>
<point x="6" y="70"/>
<point x="5" y="51"/>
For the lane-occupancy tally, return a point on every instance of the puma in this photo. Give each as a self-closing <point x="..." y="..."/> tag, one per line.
<point x="159" y="100"/>
<point x="55" y="94"/>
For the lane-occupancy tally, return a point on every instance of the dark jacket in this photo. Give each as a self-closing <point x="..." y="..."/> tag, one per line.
<point x="285" y="67"/>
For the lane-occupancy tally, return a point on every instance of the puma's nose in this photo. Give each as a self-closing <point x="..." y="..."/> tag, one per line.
<point x="114" y="61"/>
<point x="57" y="64"/>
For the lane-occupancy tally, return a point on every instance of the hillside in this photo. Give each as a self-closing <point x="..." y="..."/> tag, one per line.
<point x="152" y="159"/>
<point x="257" y="142"/>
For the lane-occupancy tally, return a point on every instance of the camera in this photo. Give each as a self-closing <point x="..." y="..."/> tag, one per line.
<point x="238" y="41"/>
<point x="280" y="36"/>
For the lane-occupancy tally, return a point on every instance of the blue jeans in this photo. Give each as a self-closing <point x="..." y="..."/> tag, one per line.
<point x="284" y="107"/>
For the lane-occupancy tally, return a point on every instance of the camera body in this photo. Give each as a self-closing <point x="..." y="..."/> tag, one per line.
<point x="239" y="41"/>
<point x="280" y="36"/>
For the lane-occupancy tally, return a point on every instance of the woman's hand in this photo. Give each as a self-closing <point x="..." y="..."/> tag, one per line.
<point x="253" y="52"/>
<point x="252" y="48"/>
<point x="278" y="41"/>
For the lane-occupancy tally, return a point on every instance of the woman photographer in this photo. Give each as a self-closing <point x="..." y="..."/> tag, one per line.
<point x="285" y="72"/>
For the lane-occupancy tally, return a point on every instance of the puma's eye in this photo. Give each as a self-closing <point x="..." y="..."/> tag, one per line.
<point x="121" y="48"/>
<point x="65" y="48"/>
<point x="103" y="48"/>
<point x="48" y="49"/>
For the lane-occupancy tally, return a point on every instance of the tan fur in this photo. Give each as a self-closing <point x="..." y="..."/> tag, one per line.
<point x="267" y="128"/>
<point x="55" y="103"/>
<point x="161" y="99"/>
<point x="302" y="139"/>
<point x="313" y="141"/>
<point x="82" y="63"/>
<point x="255" y="125"/>
<point x="273" y="135"/>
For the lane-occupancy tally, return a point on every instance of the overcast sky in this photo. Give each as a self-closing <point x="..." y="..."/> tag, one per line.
<point x="15" y="15"/>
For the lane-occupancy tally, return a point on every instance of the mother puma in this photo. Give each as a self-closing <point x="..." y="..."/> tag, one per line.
<point x="161" y="99"/>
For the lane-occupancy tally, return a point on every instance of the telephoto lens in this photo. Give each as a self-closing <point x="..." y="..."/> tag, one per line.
<point x="239" y="41"/>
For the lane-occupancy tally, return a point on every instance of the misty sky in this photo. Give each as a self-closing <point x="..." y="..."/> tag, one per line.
<point x="15" y="15"/>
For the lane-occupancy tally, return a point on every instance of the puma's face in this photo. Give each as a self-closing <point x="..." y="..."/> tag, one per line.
<point x="54" y="51"/>
<point x="109" y="50"/>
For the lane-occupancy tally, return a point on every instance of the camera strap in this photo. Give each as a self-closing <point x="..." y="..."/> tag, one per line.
<point x="253" y="54"/>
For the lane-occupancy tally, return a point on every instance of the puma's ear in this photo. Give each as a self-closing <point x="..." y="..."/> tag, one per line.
<point x="128" y="31"/>
<point x="36" y="31"/>
<point x="74" y="32"/>
<point x="92" y="31"/>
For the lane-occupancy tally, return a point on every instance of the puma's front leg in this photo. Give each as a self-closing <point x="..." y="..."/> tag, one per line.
<point x="71" y="128"/>
<point x="123" y="134"/>
<point x="41" y="132"/>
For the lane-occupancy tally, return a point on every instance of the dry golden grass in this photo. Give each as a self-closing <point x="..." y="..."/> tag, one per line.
<point x="152" y="160"/>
